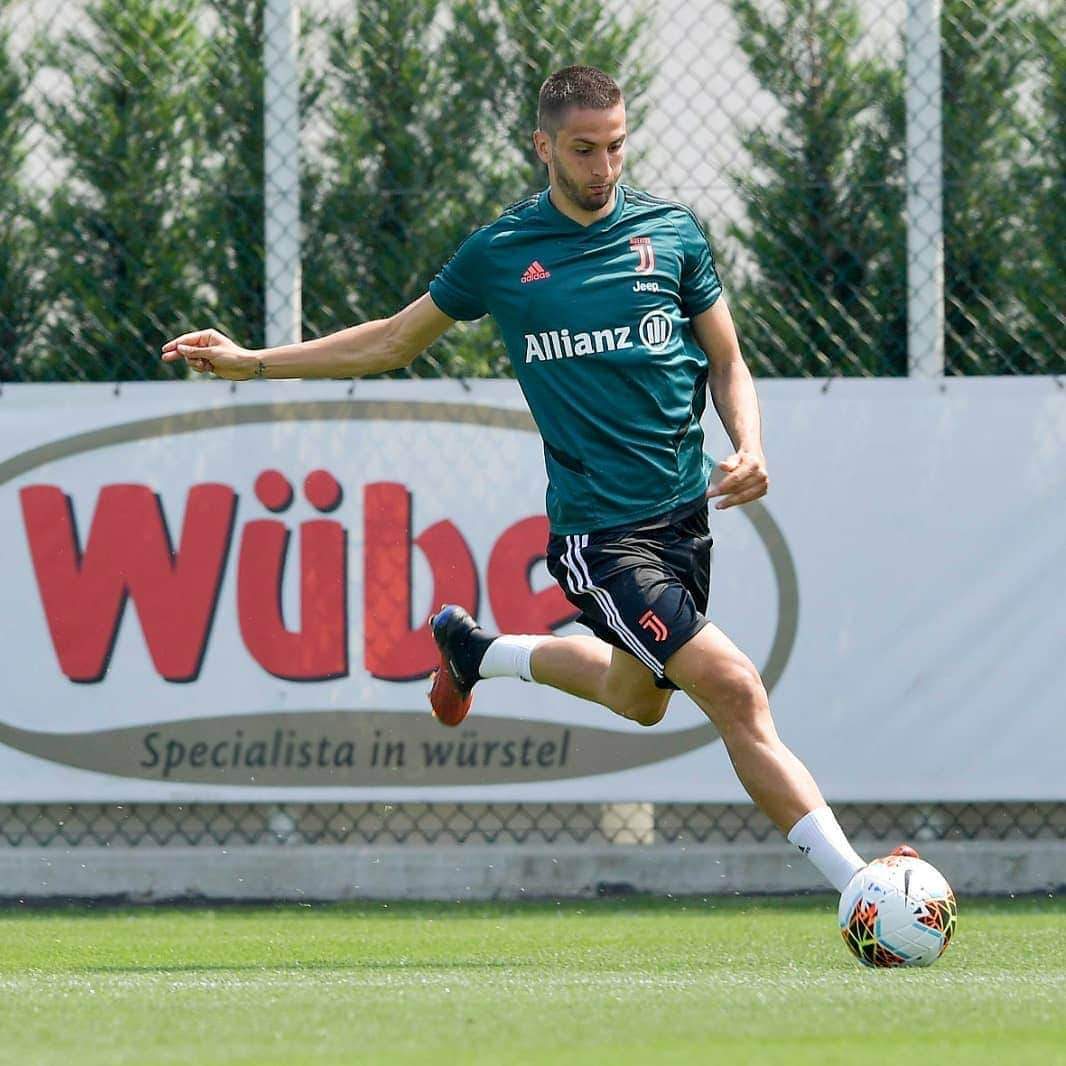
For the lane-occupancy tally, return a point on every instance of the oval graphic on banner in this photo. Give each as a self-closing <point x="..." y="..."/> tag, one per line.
<point x="357" y="749"/>
<point x="367" y="748"/>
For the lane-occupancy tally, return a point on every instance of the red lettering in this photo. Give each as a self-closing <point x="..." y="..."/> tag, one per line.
<point x="128" y="554"/>
<point x="394" y="649"/>
<point x="516" y="607"/>
<point x="319" y="649"/>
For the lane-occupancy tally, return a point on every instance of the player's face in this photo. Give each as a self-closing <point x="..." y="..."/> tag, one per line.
<point x="585" y="158"/>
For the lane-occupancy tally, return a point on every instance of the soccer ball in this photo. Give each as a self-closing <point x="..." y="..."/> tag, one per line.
<point x="897" y="911"/>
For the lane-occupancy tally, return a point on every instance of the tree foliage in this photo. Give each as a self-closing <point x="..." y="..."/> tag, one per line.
<point x="417" y="122"/>
<point x="229" y="212"/>
<point x="539" y="36"/>
<point x="821" y="284"/>
<point x="20" y="275"/>
<point x="429" y="108"/>
<point x="1045" y="338"/>
<point x="999" y="163"/>
<point x="120" y="226"/>
<point x="405" y="169"/>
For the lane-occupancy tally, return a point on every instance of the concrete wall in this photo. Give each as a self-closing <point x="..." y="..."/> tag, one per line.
<point x="320" y="872"/>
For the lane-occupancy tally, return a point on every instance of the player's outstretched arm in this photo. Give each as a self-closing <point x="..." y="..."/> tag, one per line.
<point x="369" y="348"/>
<point x="733" y="393"/>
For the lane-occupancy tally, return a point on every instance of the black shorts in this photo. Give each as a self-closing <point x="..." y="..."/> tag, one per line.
<point x="642" y="590"/>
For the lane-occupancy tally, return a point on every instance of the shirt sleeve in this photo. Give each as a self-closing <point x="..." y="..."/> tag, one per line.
<point x="700" y="284"/>
<point x="457" y="288"/>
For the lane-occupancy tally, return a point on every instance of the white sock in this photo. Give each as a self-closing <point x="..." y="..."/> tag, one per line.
<point x="819" y="836"/>
<point x="509" y="656"/>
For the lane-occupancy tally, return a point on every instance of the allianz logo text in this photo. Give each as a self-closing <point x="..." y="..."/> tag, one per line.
<point x="562" y="344"/>
<point x="655" y="331"/>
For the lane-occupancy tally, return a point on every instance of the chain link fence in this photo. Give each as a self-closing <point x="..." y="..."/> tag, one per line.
<point x="881" y="182"/>
<point x="506" y="824"/>
<point x="881" y="179"/>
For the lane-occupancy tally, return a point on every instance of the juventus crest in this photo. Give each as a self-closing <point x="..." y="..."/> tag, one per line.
<point x="646" y="250"/>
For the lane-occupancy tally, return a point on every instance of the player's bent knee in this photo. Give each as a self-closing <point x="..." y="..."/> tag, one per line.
<point x="736" y="679"/>
<point x="731" y="692"/>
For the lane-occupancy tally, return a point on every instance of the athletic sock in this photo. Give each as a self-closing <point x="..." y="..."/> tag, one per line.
<point x="509" y="656"/>
<point x="819" y="836"/>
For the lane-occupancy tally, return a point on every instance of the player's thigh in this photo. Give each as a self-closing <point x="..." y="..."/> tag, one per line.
<point x="720" y="678"/>
<point x="632" y="690"/>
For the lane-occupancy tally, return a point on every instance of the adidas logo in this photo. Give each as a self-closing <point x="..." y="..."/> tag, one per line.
<point x="535" y="272"/>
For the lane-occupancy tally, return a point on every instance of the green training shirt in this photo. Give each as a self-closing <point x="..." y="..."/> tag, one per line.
<point x="597" y="323"/>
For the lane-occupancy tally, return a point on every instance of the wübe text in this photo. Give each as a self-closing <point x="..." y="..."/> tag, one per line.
<point x="135" y="551"/>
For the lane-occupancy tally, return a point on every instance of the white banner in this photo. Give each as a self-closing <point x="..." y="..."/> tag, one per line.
<point x="216" y="593"/>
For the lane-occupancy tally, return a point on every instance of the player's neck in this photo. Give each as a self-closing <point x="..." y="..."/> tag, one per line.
<point x="565" y="206"/>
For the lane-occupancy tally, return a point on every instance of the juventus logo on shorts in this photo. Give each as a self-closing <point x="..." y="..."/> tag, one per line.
<point x="643" y="247"/>
<point x="651" y="621"/>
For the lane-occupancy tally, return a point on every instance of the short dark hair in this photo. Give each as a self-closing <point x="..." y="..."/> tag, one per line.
<point x="580" y="87"/>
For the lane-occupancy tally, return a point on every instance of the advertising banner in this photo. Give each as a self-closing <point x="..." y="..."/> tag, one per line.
<point x="216" y="592"/>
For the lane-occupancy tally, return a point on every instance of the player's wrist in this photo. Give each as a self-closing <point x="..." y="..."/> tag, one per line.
<point x="752" y="454"/>
<point x="256" y="366"/>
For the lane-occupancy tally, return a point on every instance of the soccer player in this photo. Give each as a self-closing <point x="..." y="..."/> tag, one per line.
<point x="612" y="313"/>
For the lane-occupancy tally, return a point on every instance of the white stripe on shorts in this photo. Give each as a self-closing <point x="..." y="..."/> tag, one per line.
<point x="580" y="581"/>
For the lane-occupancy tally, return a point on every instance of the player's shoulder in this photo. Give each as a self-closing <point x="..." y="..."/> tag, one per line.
<point x="494" y="234"/>
<point x="641" y="204"/>
<point x="522" y="209"/>
<point x="512" y="216"/>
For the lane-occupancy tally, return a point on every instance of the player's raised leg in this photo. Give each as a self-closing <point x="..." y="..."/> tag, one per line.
<point x="725" y="684"/>
<point x="581" y="666"/>
<point x="594" y="670"/>
<point x="720" y="679"/>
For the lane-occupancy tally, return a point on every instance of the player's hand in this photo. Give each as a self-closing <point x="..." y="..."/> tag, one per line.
<point x="742" y="480"/>
<point x="208" y="351"/>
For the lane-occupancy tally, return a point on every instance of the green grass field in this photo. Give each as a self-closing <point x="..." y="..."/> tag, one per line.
<point x="625" y="982"/>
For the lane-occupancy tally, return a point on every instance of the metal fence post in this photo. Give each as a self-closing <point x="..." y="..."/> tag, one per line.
<point x="281" y="166"/>
<point x="925" y="224"/>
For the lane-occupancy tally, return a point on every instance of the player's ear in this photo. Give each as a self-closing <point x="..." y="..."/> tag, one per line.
<point x="542" y="142"/>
